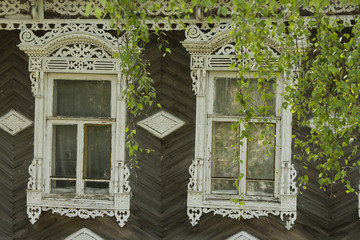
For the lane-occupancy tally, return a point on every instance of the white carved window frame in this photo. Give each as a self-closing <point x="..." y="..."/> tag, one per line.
<point x="80" y="122"/>
<point x="212" y="54"/>
<point x="78" y="52"/>
<point x="213" y="117"/>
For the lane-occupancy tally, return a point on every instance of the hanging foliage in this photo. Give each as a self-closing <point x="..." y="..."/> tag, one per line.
<point x="318" y="55"/>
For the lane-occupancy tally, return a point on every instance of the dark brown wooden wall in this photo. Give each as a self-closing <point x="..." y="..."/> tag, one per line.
<point x="159" y="184"/>
<point x="15" y="151"/>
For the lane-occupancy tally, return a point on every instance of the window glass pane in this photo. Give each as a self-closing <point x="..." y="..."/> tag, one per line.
<point x="221" y="186"/>
<point x="260" y="158"/>
<point x="63" y="186"/>
<point x="96" y="187"/>
<point x="97" y="151"/>
<point x="259" y="188"/>
<point x="223" y="155"/>
<point x="82" y="98"/>
<point x="225" y="96"/>
<point x="257" y="100"/>
<point x="64" y="151"/>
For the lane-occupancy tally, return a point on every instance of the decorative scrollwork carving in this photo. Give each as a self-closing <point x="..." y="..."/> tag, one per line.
<point x="193" y="32"/>
<point x="217" y="41"/>
<point x="77" y="7"/>
<point x="198" y="82"/>
<point x="290" y="218"/>
<point x="33" y="213"/>
<point x="27" y="36"/>
<point x="194" y="215"/>
<point x="35" y="174"/>
<point x="127" y="187"/>
<point x="122" y="217"/>
<point x="69" y="7"/>
<point x="337" y="6"/>
<point x="72" y="34"/>
<point x="226" y="50"/>
<point x="293" y="188"/>
<point x="191" y="184"/>
<point x="36" y="79"/>
<point x="32" y="173"/>
<point x="11" y="7"/>
<point x="81" y="50"/>
<point x="195" y="82"/>
<point x="78" y="212"/>
<point x="237" y="214"/>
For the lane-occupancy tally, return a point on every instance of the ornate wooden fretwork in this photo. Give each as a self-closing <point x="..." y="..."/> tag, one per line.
<point x="75" y="49"/>
<point x="12" y="7"/>
<point x="40" y="9"/>
<point x="210" y="52"/>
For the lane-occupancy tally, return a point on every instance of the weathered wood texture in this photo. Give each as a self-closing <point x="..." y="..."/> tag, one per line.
<point x="159" y="185"/>
<point x="15" y="151"/>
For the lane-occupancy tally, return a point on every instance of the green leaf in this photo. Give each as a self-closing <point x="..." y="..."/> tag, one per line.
<point x="98" y="13"/>
<point x="87" y="10"/>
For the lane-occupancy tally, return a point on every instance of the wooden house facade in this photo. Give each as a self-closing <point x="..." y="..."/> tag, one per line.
<point x="56" y="75"/>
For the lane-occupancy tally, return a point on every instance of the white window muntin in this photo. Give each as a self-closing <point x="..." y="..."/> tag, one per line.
<point x="212" y="117"/>
<point x="51" y="121"/>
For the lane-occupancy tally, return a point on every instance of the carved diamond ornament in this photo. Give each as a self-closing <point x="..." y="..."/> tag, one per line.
<point x="161" y="124"/>
<point x="242" y="236"/>
<point x="84" y="234"/>
<point x="14" y="122"/>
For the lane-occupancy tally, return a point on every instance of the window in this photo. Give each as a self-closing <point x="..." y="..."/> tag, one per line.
<point x="79" y="167"/>
<point x="255" y="161"/>
<point x="80" y="121"/>
<point x="268" y="180"/>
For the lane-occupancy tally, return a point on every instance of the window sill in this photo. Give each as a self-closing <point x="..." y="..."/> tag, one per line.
<point x="217" y="197"/>
<point x="117" y="205"/>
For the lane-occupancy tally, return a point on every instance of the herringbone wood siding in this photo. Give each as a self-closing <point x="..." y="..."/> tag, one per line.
<point x="159" y="185"/>
<point x="15" y="151"/>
